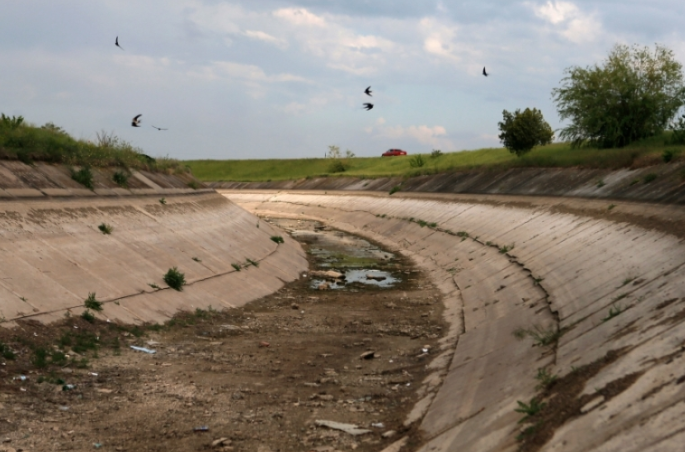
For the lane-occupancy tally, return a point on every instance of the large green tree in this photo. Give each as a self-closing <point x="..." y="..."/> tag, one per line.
<point x="521" y="131"/>
<point x="633" y="95"/>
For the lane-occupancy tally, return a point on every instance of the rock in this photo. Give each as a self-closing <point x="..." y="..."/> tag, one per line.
<point x="375" y="277"/>
<point x="264" y="344"/>
<point x="294" y="306"/>
<point x="221" y="442"/>
<point x="238" y="395"/>
<point x="352" y="429"/>
<point x="324" y="286"/>
<point x="389" y="434"/>
<point x="367" y="355"/>
<point x="328" y="274"/>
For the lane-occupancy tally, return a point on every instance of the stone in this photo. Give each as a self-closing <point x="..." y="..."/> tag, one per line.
<point x="367" y="355"/>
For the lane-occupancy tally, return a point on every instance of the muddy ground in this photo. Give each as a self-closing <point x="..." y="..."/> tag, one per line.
<point x="257" y="376"/>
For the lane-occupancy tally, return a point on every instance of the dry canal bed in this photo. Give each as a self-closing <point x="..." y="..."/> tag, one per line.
<point x="255" y="378"/>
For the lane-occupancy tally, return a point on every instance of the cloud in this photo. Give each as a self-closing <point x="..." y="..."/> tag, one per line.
<point x="300" y="16"/>
<point x="569" y="21"/>
<point x="261" y="36"/>
<point x="434" y="136"/>
<point x="219" y="70"/>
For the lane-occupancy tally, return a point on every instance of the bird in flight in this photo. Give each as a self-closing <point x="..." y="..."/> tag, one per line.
<point x="368" y="91"/>
<point x="136" y="120"/>
<point x="368" y="106"/>
<point x="484" y="73"/>
<point x="116" y="43"/>
<point x="159" y="128"/>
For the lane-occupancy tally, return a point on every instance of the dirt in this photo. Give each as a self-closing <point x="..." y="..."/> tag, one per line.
<point x="257" y="376"/>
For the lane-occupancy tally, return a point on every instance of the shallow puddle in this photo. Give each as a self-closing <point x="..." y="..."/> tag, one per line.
<point x="361" y="263"/>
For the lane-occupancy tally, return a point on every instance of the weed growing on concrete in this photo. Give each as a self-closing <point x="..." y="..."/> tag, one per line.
<point x="84" y="176"/>
<point x="537" y="281"/>
<point x="611" y="206"/>
<point x="383" y="216"/>
<point x="193" y="184"/>
<point x="433" y="225"/>
<point x="154" y="286"/>
<point x="394" y="189"/>
<point x="105" y="228"/>
<point x="620" y="297"/>
<point x="92" y="303"/>
<point x="545" y="378"/>
<point x="6" y="352"/>
<point x="613" y="312"/>
<point x="628" y="281"/>
<point x="237" y="267"/>
<point x="197" y="259"/>
<point x="529" y="409"/>
<point x="175" y="279"/>
<point x="40" y="358"/>
<point x="505" y="249"/>
<point x="540" y="336"/>
<point x="251" y="262"/>
<point x="162" y="201"/>
<point x="120" y="178"/>
<point x="600" y="183"/>
<point x="635" y="181"/>
<point x="277" y="238"/>
<point x="88" y="316"/>
<point x="649" y="178"/>
<point x="463" y="234"/>
<point x="421" y="223"/>
<point x="520" y="333"/>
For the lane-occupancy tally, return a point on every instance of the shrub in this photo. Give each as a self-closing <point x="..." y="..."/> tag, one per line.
<point x="12" y="123"/>
<point x="162" y="201"/>
<point x="277" y="238"/>
<point x="92" y="303"/>
<point x="88" y="316"/>
<point x="193" y="184"/>
<point x="253" y="263"/>
<point x="175" y="279"/>
<point x="668" y="155"/>
<point x="677" y="131"/>
<point x="417" y="161"/>
<point x="120" y="178"/>
<point x="436" y="153"/>
<point x="6" y="352"/>
<point x="651" y="177"/>
<point x="336" y="166"/>
<point x="237" y="267"/>
<point x="632" y="96"/>
<point x="105" y="228"/>
<point x="40" y="358"/>
<point x="522" y="131"/>
<point x="394" y="189"/>
<point x="83" y="176"/>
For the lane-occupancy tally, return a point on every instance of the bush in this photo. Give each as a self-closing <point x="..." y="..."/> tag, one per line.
<point x="651" y="177"/>
<point x="394" y="189"/>
<point x="436" y="153"/>
<point x="92" y="303"/>
<point x="120" y="178"/>
<point x="175" y="279"/>
<point x="417" y="161"/>
<point x="669" y="154"/>
<point x="88" y="316"/>
<point x="105" y="228"/>
<point x="83" y="176"/>
<point x="336" y="166"/>
<point x="522" y="131"/>
<point x="277" y="238"/>
<point x="632" y="96"/>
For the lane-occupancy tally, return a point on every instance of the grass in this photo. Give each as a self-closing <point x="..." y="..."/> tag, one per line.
<point x="120" y="178"/>
<point x="651" y="177"/>
<point x="613" y="312"/>
<point x="105" y="228"/>
<point x="27" y="143"/>
<point x="277" y="238"/>
<point x="545" y="378"/>
<point x="197" y="259"/>
<point x="92" y="303"/>
<point x="162" y="201"/>
<point x="84" y="176"/>
<point x="6" y="352"/>
<point x="643" y="153"/>
<point x="529" y="409"/>
<point x="394" y="189"/>
<point x="251" y="262"/>
<point x="175" y="279"/>
<point x="237" y="267"/>
<point x="541" y="337"/>
<point x="88" y="316"/>
<point x="506" y="248"/>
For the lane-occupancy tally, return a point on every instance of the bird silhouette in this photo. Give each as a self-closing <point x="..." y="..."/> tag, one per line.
<point x="368" y="106"/>
<point x="159" y="128"/>
<point x="368" y="91"/>
<point x="116" y="43"/>
<point x="484" y="73"/>
<point x="135" y="122"/>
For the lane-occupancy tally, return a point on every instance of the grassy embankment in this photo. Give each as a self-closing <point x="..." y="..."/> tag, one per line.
<point x="643" y="153"/>
<point x="49" y="143"/>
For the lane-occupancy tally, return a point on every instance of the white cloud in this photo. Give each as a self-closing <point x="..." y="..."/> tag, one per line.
<point x="569" y="21"/>
<point x="261" y="36"/>
<point x="300" y="16"/>
<point x="219" y="70"/>
<point x="423" y="134"/>
<point x="443" y="41"/>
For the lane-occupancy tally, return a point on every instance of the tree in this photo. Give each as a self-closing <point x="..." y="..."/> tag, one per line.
<point x="523" y="131"/>
<point x="633" y="95"/>
<point x="334" y="152"/>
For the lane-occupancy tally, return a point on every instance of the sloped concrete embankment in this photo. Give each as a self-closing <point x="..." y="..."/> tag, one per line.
<point x="533" y="269"/>
<point x="52" y="255"/>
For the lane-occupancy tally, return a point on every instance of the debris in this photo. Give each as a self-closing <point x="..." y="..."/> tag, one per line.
<point x="97" y="445"/>
<point x="375" y="277"/>
<point x="68" y="387"/>
<point x="367" y="355"/>
<point x="378" y="425"/>
<point x="202" y="428"/>
<point x="294" y="306"/>
<point x="264" y="344"/>
<point x="64" y="408"/>
<point x="389" y="434"/>
<point x="95" y="374"/>
<point x="221" y="442"/>
<point x="324" y="286"/>
<point x="143" y="349"/>
<point x="328" y="274"/>
<point x="352" y="429"/>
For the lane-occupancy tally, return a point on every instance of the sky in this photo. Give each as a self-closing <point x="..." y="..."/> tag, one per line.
<point x="258" y="79"/>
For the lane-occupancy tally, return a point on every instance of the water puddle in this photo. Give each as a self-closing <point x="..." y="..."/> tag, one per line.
<point x="343" y="261"/>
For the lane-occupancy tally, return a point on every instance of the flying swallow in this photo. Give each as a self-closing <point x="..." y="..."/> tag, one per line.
<point x="368" y="91"/>
<point x="484" y="73"/>
<point x="159" y="128"/>
<point x="116" y="43"/>
<point x="368" y="106"/>
<point x="136" y="121"/>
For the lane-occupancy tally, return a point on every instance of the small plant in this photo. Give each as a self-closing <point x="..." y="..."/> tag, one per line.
<point x="627" y="281"/>
<point x="436" y="153"/>
<point x="40" y="358"/>
<point x="251" y="262"/>
<point x="433" y="225"/>
<point x="154" y="286"/>
<point x="336" y="166"/>
<point x="105" y="228"/>
<point x="394" y="189"/>
<point x="175" y="279"/>
<point x="88" y="316"/>
<point x="6" y="352"/>
<point x="120" y="178"/>
<point x="530" y="409"/>
<point x="58" y="358"/>
<point x="162" y="201"/>
<point x="619" y="297"/>
<point x="277" y="238"/>
<point x="421" y="223"/>
<point x="197" y="259"/>
<point x="649" y="178"/>
<point x="613" y="312"/>
<point x="635" y="181"/>
<point x="417" y="161"/>
<point x="541" y="337"/>
<point x="545" y="378"/>
<point x="84" y="176"/>
<point x="537" y="281"/>
<point x="193" y="184"/>
<point x="92" y="303"/>
<point x="611" y="206"/>
<point x="668" y="155"/>
<point x="505" y="249"/>
<point x="463" y="234"/>
<point x="600" y="183"/>
<point x="237" y="267"/>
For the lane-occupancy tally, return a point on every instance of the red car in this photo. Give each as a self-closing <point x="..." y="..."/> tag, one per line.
<point x="393" y="152"/>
